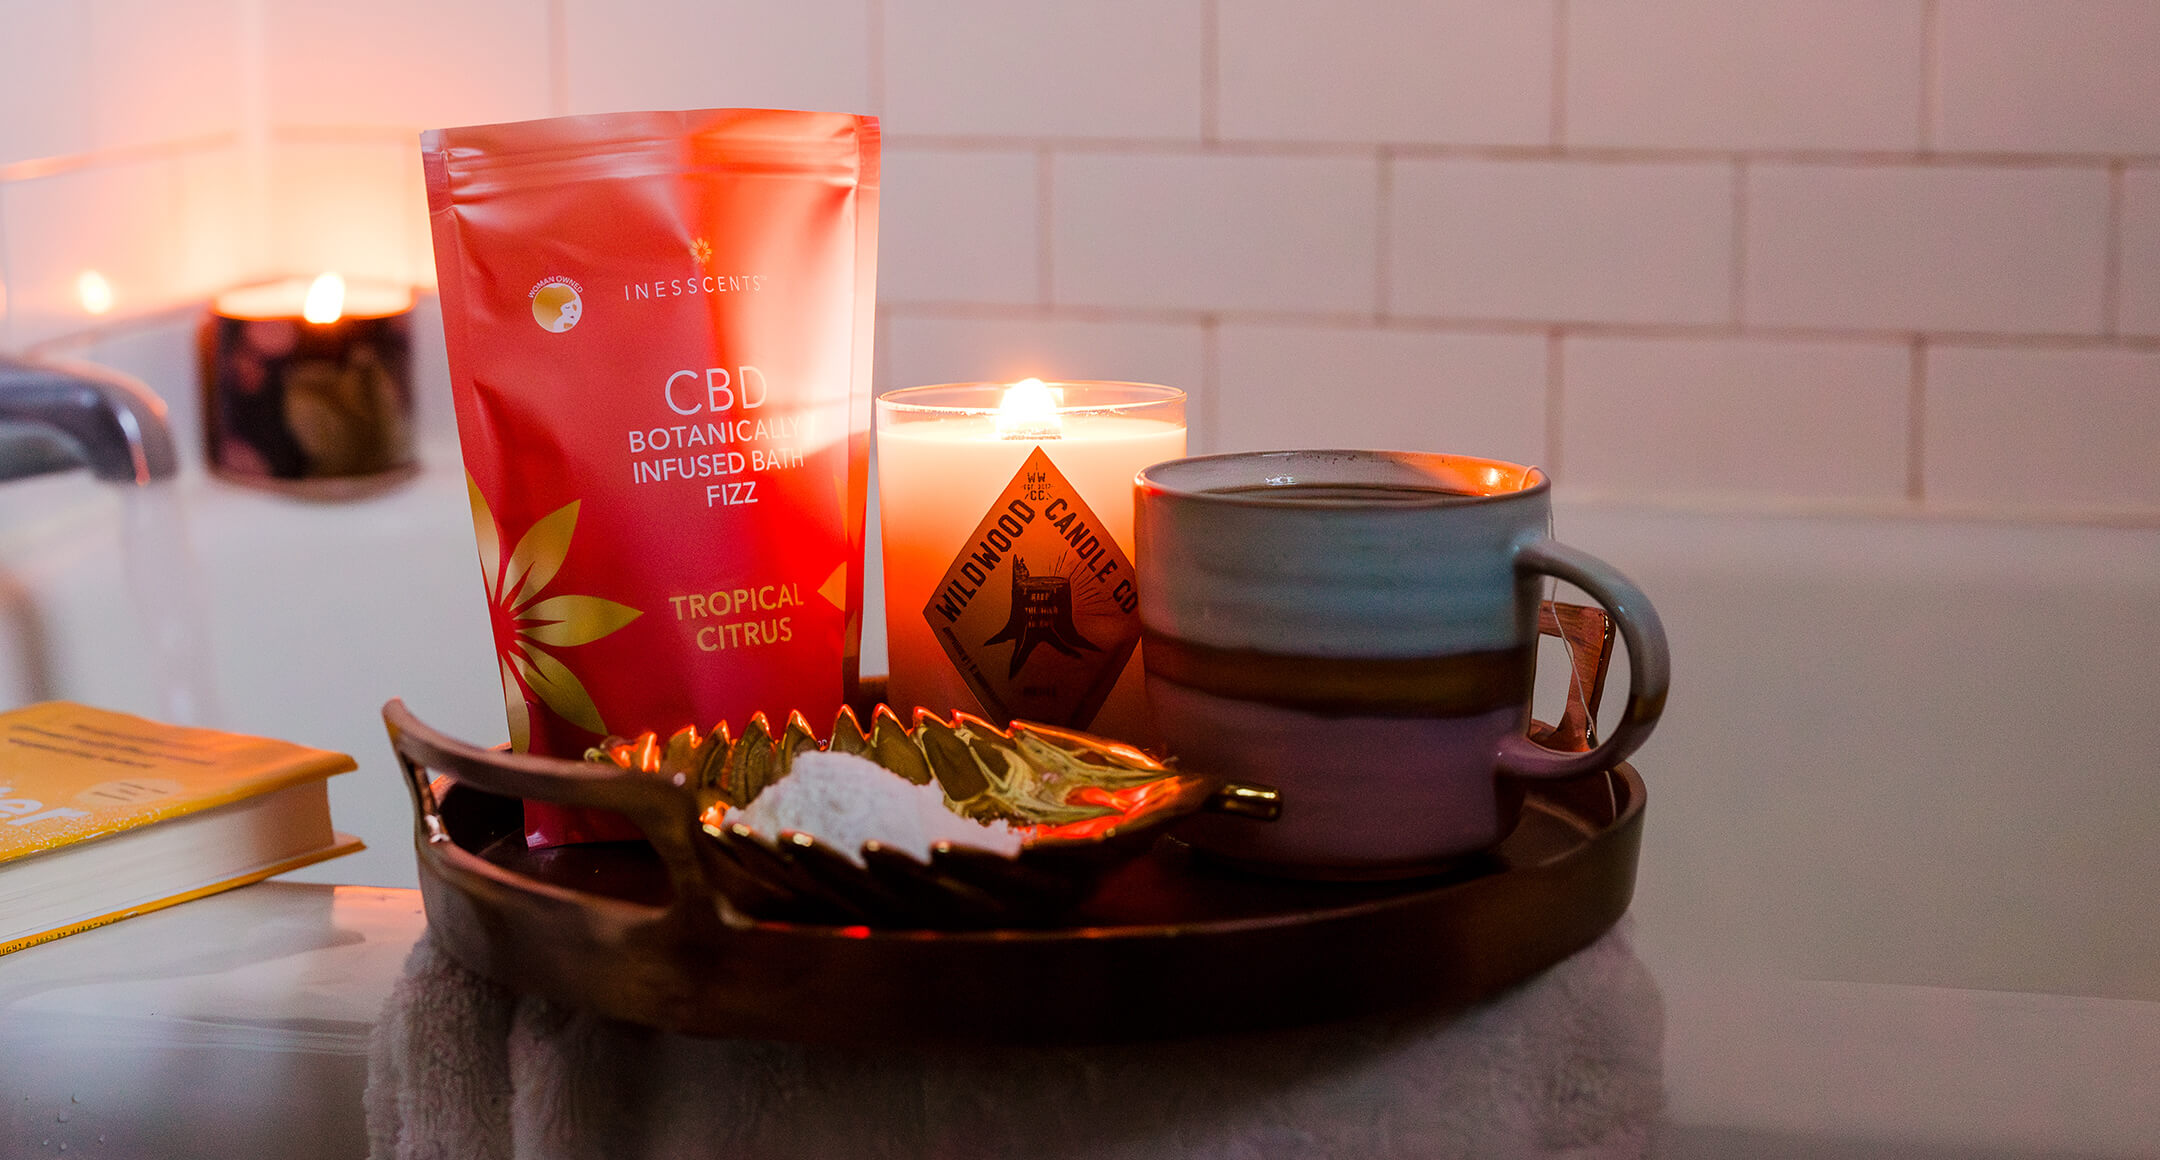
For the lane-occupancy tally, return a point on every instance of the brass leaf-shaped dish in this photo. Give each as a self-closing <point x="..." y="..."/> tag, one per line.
<point x="1082" y="804"/>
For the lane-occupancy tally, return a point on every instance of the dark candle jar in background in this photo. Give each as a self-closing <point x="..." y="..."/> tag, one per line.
<point x="307" y="386"/>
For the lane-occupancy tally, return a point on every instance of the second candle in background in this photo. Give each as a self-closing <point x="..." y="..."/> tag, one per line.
<point x="1007" y="516"/>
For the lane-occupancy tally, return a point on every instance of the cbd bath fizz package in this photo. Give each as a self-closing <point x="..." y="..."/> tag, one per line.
<point x="659" y="335"/>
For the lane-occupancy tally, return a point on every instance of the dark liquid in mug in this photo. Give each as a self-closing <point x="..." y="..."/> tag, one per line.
<point x="1350" y="494"/>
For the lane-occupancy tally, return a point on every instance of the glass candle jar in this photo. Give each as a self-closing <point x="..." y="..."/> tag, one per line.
<point x="1007" y="522"/>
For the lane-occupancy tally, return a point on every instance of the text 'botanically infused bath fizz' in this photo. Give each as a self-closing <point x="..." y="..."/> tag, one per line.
<point x="659" y="337"/>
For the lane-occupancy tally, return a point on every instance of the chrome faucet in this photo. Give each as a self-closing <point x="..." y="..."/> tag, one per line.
<point x="56" y="415"/>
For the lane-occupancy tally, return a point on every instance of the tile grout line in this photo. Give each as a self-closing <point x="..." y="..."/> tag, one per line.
<point x="1578" y="153"/>
<point x="1739" y="244"/>
<point x="1210" y="386"/>
<point x="1916" y="424"/>
<point x="1930" y="72"/>
<point x="33" y="169"/>
<point x="254" y="136"/>
<point x="1045" y="220"/>
<point x="1898" y="511"/>
<point x="1533" y="151"/>
<point x="1558" y="123"/>
<point x="1555" y="396"/>
<point x="419" y="262"/>
<point x="1383" y="235"/>
<point x="2111" y="272"/>
<point x="402" y="136"/>
<point x="7" y="325"/>
<point x="1210" y="72"/>
<point x="881" y="354"/>
<point x="558" y="57"/>
<point x="875" y="77"/>
<point x="959" y="310"/>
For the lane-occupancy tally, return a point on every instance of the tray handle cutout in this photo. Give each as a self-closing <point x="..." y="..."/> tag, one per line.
<point x="665" y="812"/>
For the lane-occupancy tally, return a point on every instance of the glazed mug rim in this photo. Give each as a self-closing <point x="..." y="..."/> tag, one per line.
<point x="1154" y="479"/>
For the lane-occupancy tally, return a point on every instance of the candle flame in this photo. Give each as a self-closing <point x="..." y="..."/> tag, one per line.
<point x="1030" y="411"/>
<point x="95" y="292"/>
<point x="325" y="300"/>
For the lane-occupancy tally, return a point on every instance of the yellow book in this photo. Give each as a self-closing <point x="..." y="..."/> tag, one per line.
<point x="105" y="815"/>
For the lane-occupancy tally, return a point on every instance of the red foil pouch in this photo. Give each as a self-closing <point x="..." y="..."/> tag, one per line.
<point x="659" y="334"/>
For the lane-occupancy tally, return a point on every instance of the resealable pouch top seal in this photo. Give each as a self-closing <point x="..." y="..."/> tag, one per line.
<point x="659" y="335"/>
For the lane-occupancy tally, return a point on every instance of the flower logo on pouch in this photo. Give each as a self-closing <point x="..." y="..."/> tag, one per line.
<point x="557" y="304"/>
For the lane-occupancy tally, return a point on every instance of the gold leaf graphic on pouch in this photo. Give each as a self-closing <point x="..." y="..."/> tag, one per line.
<point x="568" y="621"/>
<point x="515" y="592"/>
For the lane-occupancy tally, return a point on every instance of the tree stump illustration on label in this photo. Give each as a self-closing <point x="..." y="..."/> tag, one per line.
<point x="1041" y="614"/>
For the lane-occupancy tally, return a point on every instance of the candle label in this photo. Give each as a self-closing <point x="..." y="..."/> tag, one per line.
<point x="1039" y="612"/>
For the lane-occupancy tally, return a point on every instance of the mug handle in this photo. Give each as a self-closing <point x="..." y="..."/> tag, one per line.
<point x="1649" y="665"/>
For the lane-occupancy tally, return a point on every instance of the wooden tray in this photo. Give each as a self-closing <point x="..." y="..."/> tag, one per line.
<point x="1170" y="945"/>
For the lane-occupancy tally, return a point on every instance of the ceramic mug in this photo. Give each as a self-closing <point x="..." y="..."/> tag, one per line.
<point x="1359" y="630"/>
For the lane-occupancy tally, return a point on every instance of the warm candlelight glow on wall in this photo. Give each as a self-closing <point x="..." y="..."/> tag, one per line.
<point x="95" y="292"/>
<point x="325" y="300"/>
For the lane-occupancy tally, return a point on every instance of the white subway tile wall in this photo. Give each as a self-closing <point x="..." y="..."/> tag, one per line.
<point x="1558" y="241"/>
<point x="161" y="71"/>
<point x="120" y="222"/>
<point x="1442" y="72"/>
<point x="2139" y="262"/>
<point x="1105" y="68"/>
<point x="215" y="228"/>
<point x="1949" y="248"/>
<point x="45" y="69"/>
<point x="345" y="93"/>
<point x="661" y="54"/>
<point x="2050" y="77"/>
<point x="1828" y="252"/>
<point x="1765" y="74"/>
<point x="960" y="225"/>
<point x="1482" y="394"/>
<point x="405" y="65"/>
<point x="1214" y="232"/>
<point x="357" y="207"/>
<point x="2016" y="428"/>
<point x="920" y="350"/>
<point x="1725" y="418"/>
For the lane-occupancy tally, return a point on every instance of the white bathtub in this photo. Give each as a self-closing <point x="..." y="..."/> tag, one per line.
<point x="313" y="616"/>
<point x="1902" y="758"/>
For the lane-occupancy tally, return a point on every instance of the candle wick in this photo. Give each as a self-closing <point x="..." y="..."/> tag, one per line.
<point x="1029" y="410"/>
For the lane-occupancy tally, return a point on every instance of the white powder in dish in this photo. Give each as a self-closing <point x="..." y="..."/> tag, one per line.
<point x="843" y="801"/>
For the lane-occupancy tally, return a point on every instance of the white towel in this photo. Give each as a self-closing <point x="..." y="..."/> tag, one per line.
<point x="1565" y="1066"/>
